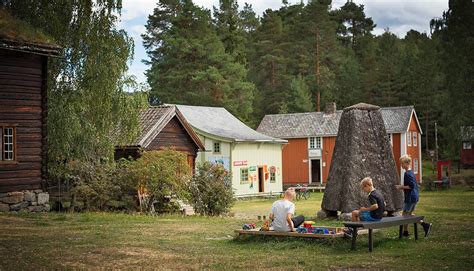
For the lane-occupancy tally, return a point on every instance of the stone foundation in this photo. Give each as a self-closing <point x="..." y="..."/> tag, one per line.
<point x="28" y="201"/>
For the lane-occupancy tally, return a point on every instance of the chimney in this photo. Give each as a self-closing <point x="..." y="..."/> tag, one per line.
<point x="330" y="108"/>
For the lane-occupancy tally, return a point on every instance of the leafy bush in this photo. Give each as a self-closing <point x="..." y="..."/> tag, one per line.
<point x="211" y="190"/>
<point x="160" y="175"/>
<point x="92" y="184"/>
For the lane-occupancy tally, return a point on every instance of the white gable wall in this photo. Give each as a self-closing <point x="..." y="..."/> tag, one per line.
<point x="209" y="154"/>
<point x="246" y="155"/>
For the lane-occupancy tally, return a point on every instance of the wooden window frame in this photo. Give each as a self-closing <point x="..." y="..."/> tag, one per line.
<point x="244" y="180"/>
<point x="415" y="139"/>
<point x="272" y="177"/>
<point x="409" y="139"/>
<point x="4" y="126"/>
<point x="415" y="166"/>
<point x="218" y="149"/>
<point x="312" y="142"/>
<point x="318" y="142"/>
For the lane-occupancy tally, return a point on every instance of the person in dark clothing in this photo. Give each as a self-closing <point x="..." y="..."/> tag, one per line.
<point x="411" y="193"/>
<point x="377" y="203"/>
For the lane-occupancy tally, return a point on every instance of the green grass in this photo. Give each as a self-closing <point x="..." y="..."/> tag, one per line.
<point x="107" y="240"/>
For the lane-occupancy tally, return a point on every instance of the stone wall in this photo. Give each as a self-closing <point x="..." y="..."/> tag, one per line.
<point x="29" y="201"/>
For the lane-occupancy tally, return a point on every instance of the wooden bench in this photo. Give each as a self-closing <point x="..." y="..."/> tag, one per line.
<point x="384" y="223"/>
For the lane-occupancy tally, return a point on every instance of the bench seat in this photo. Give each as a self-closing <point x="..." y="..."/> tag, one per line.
<point x="386" y="222"/>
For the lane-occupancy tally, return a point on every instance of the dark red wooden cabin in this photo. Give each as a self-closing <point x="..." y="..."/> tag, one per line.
<point x="23" y="110"/>
<point x="467" y="151"/>
<point x="163" y="127"/>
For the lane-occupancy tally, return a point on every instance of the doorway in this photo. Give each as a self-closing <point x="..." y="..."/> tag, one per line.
<point x="315" y="171"/>
<point x="260" y="179"/>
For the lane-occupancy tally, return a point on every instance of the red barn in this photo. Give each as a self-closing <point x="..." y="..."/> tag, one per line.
<point x="312" y="136"/>
<point x="467" y="152"/>
<point x="23" y="114"/>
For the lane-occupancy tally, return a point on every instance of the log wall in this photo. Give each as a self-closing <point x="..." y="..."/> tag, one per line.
<point x="23" y="105"/>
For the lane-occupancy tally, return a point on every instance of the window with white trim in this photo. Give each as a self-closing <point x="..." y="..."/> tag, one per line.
<point x="315" y="142"/>
<point x="244" y="175"/>
<point x="390" y="139"/>
<point x="409" y="138"/>
<point x="272" y="177"/>
<point x="217" y="147"/>
<point x="415" y="165"/>
<point x="8" y="143"/>
<point x="415" y="139"/>
<point x="466" y="145"/>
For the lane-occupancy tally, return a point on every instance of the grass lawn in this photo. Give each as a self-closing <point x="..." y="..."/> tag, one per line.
<point x="106" y="240"/>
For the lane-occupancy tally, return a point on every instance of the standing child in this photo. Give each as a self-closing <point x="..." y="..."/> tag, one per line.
<point x="410" y="189"/>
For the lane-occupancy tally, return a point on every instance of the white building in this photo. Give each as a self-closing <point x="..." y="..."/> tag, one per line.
<point x="254" y="159"/>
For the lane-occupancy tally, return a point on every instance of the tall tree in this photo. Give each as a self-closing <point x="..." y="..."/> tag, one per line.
<point x="457" y="42"/>
<point x="189" y="64"/>
<point x="353" y="23"/>
<point x="89" y="111"/>
<point x="300" y="96"/>
<point x="230" y="29"/>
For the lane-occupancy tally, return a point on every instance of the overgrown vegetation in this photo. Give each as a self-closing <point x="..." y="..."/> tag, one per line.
<point x="211" y="190"/>
<point x="160" y="176"/>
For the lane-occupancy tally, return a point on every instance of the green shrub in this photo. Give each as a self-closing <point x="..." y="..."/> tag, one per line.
<point x="161" y="175"/>
<point x="211" y="190"/>
<point x="91" y="182"/>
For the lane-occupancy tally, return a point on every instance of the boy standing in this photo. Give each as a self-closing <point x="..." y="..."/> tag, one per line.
<point x="283" y="211"/>
<point x="377" y="203"/>
<point x="410" y="189"/>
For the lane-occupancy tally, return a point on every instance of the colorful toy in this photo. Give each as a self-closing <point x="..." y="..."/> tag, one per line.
<point x="265" y="226"/>
<point x="308" y="224"/>
<point x="248" y="226"/>
<point x="301" y="230"/>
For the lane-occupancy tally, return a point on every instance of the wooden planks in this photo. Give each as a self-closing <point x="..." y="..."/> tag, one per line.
<point x="22" y="98"/>
<point x="339" y="233"/>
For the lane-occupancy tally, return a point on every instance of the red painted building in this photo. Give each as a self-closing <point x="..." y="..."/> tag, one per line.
<point x="312" y="137"/>
<point x="467" y="152"/>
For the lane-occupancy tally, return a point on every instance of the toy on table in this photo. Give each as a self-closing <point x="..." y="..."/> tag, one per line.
<point x="265" y="226"/>
<point x="249" y="226"/>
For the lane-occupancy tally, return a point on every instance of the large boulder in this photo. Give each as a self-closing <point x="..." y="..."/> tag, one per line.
<point x="362" y="150"/>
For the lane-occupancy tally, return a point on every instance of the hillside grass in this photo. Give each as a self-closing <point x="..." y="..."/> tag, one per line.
<point x="114" y="240"/>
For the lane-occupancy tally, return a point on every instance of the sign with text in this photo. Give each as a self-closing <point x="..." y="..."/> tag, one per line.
<point x="240" y="163"/>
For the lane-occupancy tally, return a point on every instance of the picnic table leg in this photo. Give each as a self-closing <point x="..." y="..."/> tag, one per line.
<point x="400" y="232"/>
<point x="371" y="241"/>
<point x="416" y="230"/>
<point x="354" y="237"/>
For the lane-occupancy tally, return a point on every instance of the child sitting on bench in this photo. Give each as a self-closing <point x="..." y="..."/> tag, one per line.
<point x="283" y="211"/>
<point x="377" y="203"/>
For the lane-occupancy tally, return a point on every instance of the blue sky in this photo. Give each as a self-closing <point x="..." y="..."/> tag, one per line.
<point x="398" y="15"/>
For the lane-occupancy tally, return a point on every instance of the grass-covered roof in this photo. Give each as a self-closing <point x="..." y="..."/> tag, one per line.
<point x="18" y="35"/>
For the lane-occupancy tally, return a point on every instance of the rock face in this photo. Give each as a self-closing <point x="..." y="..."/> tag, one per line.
<point x="362" y="150"/>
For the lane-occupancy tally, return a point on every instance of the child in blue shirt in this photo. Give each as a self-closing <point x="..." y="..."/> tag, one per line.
<point x="410" y="189"/>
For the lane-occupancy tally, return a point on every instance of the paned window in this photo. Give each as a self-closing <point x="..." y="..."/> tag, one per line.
<point x="315" y="142"/>
<point x="272" y="177"/>
<point x="415" y="138"/>
<point x="244" y="175"/>
<point x="8" y="143"/>
<point x="217" y="147"/>
<point x="415" y="166"/>
<point x="409" y="138"/>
